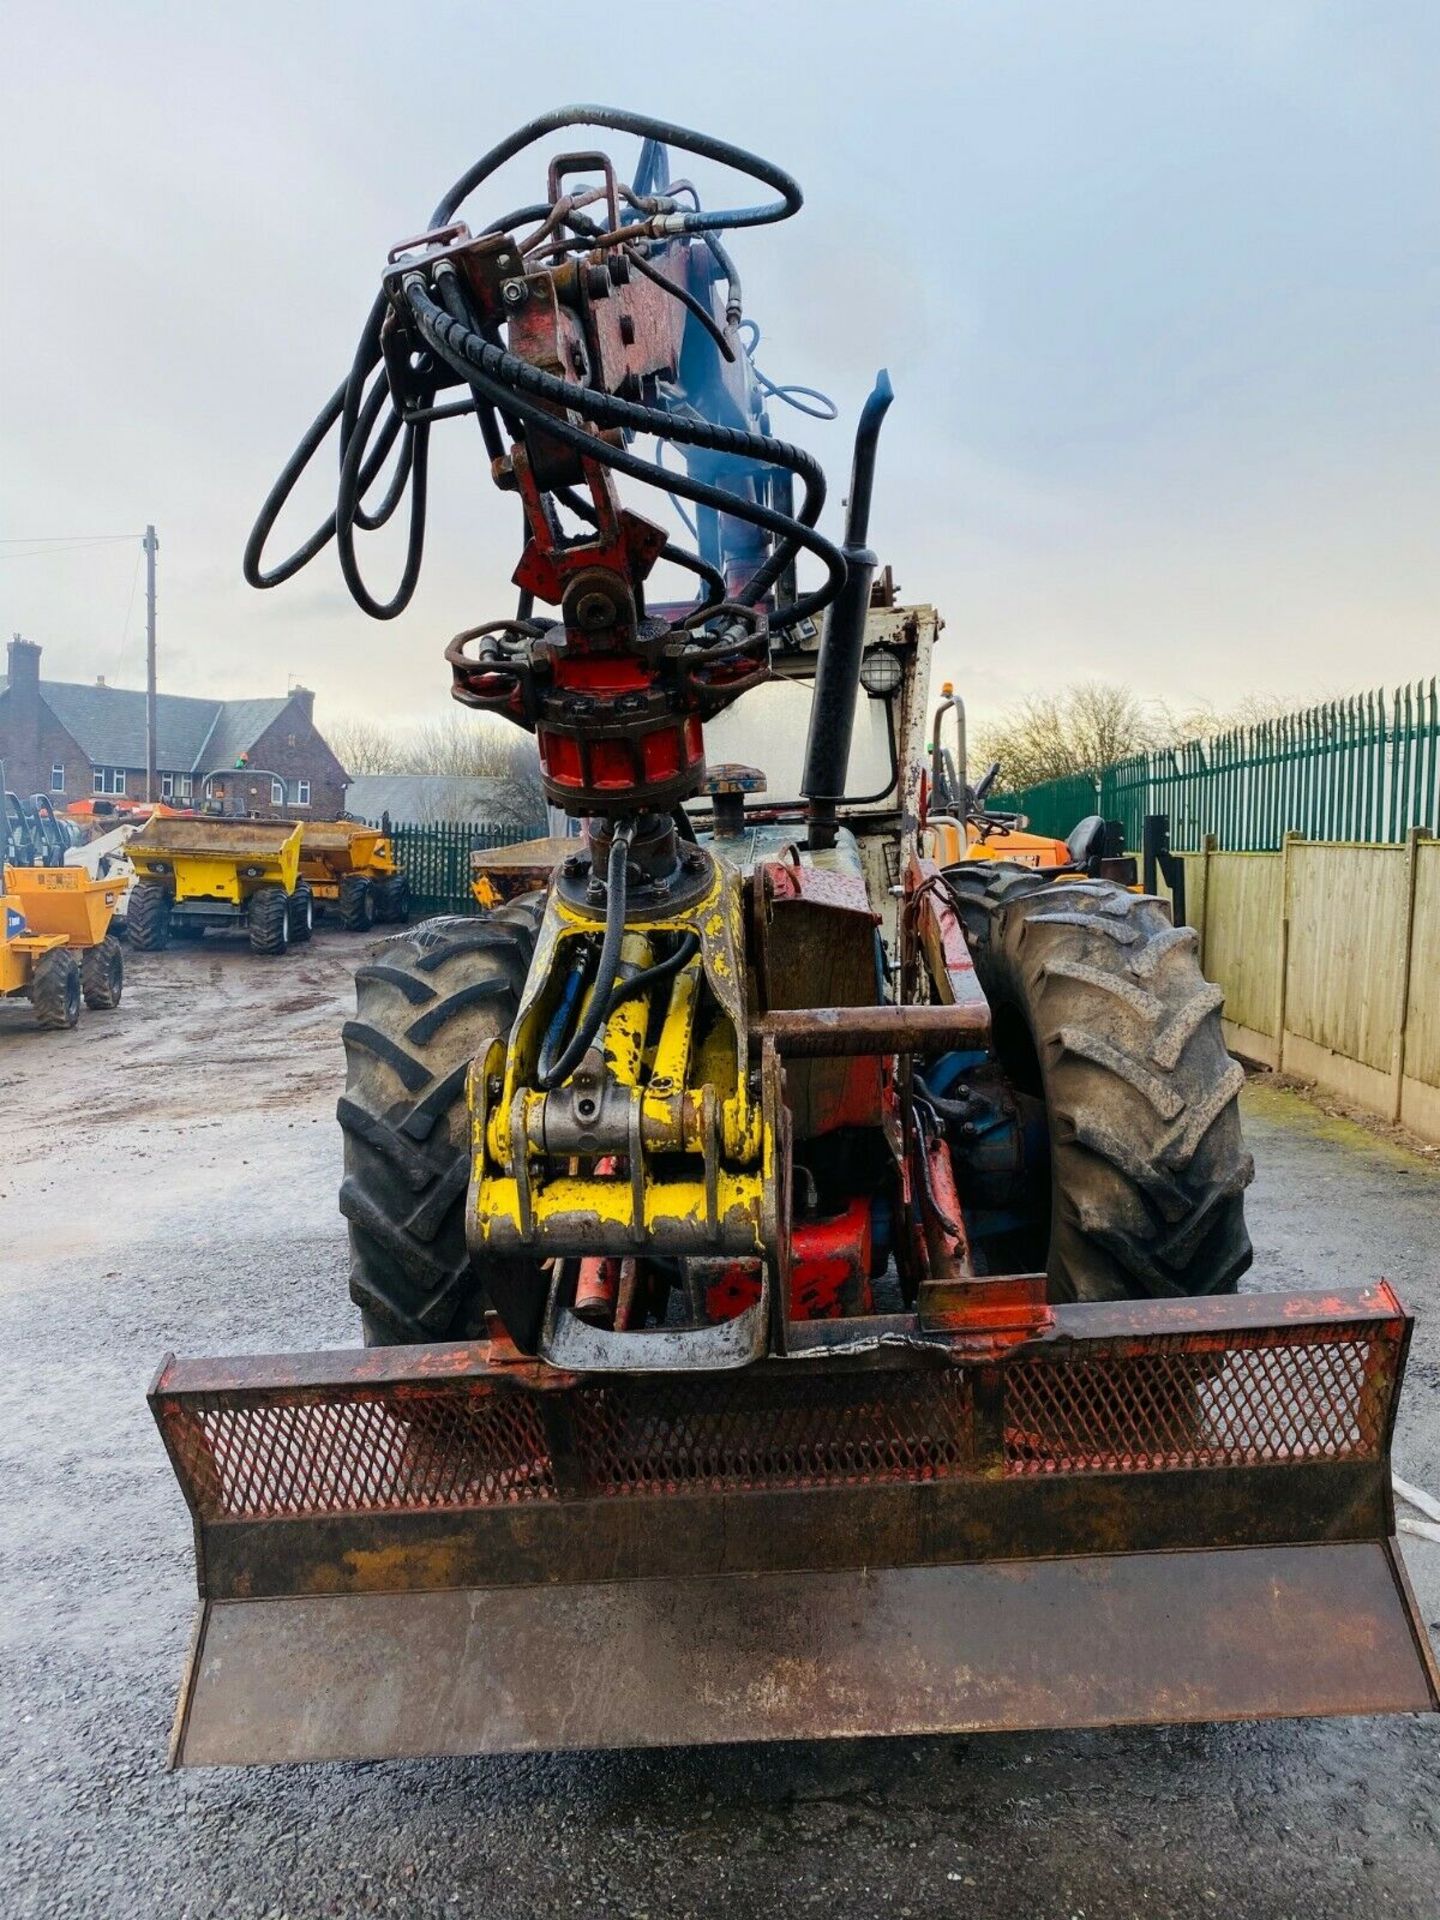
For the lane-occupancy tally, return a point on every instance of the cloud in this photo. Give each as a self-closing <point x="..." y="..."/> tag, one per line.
<point x="1156" y="287"/>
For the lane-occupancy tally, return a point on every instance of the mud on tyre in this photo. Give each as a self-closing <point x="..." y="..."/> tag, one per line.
<point x="269" y="920"/>
<point x="55" y="989"/>
<point x="102" y="974"/>
<point x="428" y="1001"/>
<point x="147" y="917"/>
<point x="357" y="904"/>
<point x="302" y="914"/>
<point x="1101" y="1010"/>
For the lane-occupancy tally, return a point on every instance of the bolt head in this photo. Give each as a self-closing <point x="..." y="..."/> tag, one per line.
<point x="594" y="610"/>
<point x="514" y="293"/>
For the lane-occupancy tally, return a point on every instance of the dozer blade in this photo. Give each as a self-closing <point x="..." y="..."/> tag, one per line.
<point x="1158" y="1512"/>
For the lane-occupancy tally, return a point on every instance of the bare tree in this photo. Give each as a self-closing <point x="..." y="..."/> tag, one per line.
<point x="1205" y="721"/>
<point x="458" y="747"/>
<point x="1080" y="729"/>
<point x="362" y="746"/>
<point x="469" y="746"/>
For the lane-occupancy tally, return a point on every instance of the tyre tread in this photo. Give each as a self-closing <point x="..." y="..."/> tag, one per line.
<point x="406" y="1133"/>
<point x="1149" y="1164"/>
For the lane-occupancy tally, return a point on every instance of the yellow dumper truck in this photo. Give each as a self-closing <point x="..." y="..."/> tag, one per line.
<point x="56" y="947"/>
<point x="351" y="870"/>
<point x="193" y="873"/>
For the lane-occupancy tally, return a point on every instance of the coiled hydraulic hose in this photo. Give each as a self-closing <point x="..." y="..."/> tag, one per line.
<point x="367" y="438"/>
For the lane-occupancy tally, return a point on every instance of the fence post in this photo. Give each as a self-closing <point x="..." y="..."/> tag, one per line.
<point x="1207" y="847"/>
<point x="1407" y="955"/>
<point x="1284" y="956"/>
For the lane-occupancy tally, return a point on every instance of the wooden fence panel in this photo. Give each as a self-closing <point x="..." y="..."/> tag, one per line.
<point x="1347" y="948"/>
<point x="1350" y="974"/>
<point x="1420" y="1091"/>
<point x="1242" y="908"/>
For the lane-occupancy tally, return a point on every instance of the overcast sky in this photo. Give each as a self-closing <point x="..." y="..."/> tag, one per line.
<point x="1158" y="286"/>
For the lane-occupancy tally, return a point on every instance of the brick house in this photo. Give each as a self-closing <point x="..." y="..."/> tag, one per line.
<point x="73" y="741"/>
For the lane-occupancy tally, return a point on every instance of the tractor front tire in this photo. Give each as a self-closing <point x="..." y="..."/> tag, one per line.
<point x="1100" y="1009"/>
<point x="302" y="915"/>
<point x="102" y="975"/>
<point x="428" y="1002"/>
<point x="55" y="989"/>
<point x="147" y="917"/>
<point x="268" y="917"/>
<point x="357" y="904"/>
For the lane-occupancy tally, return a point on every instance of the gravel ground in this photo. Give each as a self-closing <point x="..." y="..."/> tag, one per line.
<point x="167" y="1176"/>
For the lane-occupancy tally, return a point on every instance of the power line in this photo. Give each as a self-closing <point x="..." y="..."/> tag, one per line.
<point x="60" y="552"/>
<point x="58" y="539"/>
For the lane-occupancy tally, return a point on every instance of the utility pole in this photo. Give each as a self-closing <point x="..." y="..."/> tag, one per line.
<point x="151" y="548"/>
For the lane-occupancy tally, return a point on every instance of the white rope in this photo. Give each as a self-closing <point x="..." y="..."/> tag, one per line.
<point x="1426" y="1503"/>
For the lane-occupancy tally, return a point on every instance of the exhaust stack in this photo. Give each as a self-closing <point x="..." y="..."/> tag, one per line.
<point x="837" y="674"/>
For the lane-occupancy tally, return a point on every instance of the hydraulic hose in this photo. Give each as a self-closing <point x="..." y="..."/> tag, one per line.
<point x="502" y="376"/>
<point x="688" y="947"/>
<point x="668" y="134"/>
<point x="416" y="452"/>
<point x="356" y="413"/>
<point x="551" y="1073"/>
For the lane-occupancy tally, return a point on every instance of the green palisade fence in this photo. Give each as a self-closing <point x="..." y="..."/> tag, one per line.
<point x="436" y="856"/>
<point x="1054" y="807"/>
<point x="1366" y="768"/>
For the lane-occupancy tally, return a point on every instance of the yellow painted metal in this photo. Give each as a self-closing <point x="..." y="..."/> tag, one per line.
<point x="217" y="859"/>
<point x="695" y="1109"/>
<point x="498" y="874"/>
<point x="20" y="948"/>
<point x="64" y="901"/>
<point x="674" y="1216"/>
<point x="330" y="849"/>
<point x="672" y="1050"/>
<point x="624" y="1041"/>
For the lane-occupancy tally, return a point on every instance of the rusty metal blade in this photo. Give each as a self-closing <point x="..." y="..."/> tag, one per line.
<point x="1148" y="1512"/>
<point x="1093" y="1641"/>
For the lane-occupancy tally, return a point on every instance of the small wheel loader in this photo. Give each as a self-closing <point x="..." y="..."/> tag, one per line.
<point x="798" y="1272"/>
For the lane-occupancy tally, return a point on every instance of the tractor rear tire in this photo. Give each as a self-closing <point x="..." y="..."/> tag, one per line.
<point x="357" y="904"/>
<point x="102" y="975"/>
<point x="55" y="989"/>
<point x="1101" y="1010"/>
<point x="302" y="915"/>
<point x="428" y="1002"/>
<point x="268" y="917"/>
<point x="147" y="917"/>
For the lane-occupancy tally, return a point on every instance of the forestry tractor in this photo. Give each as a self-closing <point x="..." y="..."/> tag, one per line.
<point x="797" y="1258"/>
